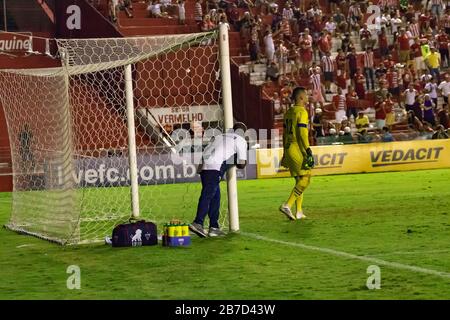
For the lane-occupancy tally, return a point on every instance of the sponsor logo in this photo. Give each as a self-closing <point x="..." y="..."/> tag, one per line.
<point x="15" y="43"/>
<point x="322" y="161"/>
<point x="329" y="160"/>
<point x="407" y="156"/>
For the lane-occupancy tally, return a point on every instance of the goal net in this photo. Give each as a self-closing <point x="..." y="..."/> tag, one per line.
<point x="70" y="140"/>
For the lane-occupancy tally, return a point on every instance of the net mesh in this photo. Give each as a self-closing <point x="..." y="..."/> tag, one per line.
<point x="69" y="138"/>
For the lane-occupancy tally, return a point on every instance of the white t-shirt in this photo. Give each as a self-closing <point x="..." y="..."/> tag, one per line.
<point x="268" y="43"/>
<point x="181" y="11"/>
<point x="222" y="148"/>
<point x="431" y="88"/>
<point x="410" y="97"/>
<point x="444" y="86"/>
<point x="396" y="23"/>
<point x="330" y="26"/>
<point x="156" y="9"/>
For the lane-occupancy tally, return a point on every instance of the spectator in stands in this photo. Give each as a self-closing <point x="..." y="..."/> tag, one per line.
<point x="362" y="122"/>
<point x="444" y="88"/>
<point x="416" y="52"/>
<point x="369" y="68"/>
<point x="410" y="97"/>
<point x="181" y="12"/>
<point x="347" y="44"/>
<point x="324" y="43"/>
<point x="286" y="93"/>
<point x="165" y="5"/>
<point x="154" y="9"/>
<point x="431" y="88"/>
<point x="404" y="46"/>
<point x="354" y="16"/>
<point x="113" y="6"/>
<point x="340" y="21"/>
<point x="207" y="24"/>
<point x="233" y="16"/>
<point x="272" y="72"/>
<point x="360" y="81"/>
<point x="443" y="117"/>
<point x="341" y="69"/>
<point x="277" y="108"/>
<point x="339" y="105"/>
<point x="428" y="110"/>
<point x="328" y="71"/>
<point x="347" y="136"/>
<point x="281" y="55"/>
<point x="366" y="38"/>
<point x="330" y="26"/>
<point x="380" y="72"/>
<point x="344" y="123"/>
<point x="387" y="136"/>
<point x="418" y="107"/>
<point x="380" y="114"/>
<point x="393" y="79"/>
<point x="316" y="83"/>
<point x="383" y="43"/>
<point x="198" y="12"/>
<point x="317" y="123"/>
<point x="414" y="122"/>
<point x="305" y="44"/>
<point x="269" y="46"/>
<point x="443" y="41"/>
<point x="352" y="59"/>
<point x="440" y="133"/>
<point x="351" y="99"/>
<point x="433" y="62"/>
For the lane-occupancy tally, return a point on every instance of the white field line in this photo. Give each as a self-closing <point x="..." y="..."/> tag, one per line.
<point x="343" y="254"/>
<point x="418" y="252"/>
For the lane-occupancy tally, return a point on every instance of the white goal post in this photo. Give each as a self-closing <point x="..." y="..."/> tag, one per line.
<point x="87" y="155"/>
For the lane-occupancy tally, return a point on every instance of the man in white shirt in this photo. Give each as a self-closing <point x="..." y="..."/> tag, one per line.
<point x="444" y="88"/>
<point x="223" y="151"/>
<point x="410" y="97"/>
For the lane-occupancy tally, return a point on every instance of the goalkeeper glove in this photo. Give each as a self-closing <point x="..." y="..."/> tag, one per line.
<point x="309" y="160"/>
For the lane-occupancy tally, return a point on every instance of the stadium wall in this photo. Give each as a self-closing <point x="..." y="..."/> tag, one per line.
<point x="362" y="158"/>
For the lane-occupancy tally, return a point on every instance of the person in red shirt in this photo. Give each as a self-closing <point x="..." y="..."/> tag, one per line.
<point x="339" y="105"/>
<point x="324" y="43"/>
<point x="389" y="109"/>
<point x="341" y="69"/>
<point x="380" y="114"/>
<point x="351" y="99"/>
<point x="306" y="52"/>
<point x="443" y="41"/>
<point x="383" y="43"/>
<point x="408" y="77"/>
<point x="352" y="59"/>
<point x="360" y="81"/>
<point x="393" y="82"/>
<point x="416" y="52"/>
<point x="403" y="45"/>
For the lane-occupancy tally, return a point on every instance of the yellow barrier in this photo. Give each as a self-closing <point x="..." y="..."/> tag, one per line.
<point x="358" y="158"/>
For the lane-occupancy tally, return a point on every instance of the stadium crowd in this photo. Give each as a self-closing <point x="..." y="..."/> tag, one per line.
<point x="370" y="69"/>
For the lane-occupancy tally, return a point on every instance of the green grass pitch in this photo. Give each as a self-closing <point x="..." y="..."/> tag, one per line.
<point x="401" y="219"/>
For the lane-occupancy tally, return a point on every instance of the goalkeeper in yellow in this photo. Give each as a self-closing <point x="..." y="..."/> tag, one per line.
<point x="297" y="155"/>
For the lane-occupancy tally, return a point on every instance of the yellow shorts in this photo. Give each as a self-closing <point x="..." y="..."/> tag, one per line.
<point x="293" y="160"/>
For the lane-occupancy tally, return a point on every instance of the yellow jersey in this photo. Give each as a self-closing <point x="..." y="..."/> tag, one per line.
<point x="296" y="119"/>
<point x="434" y="60"/>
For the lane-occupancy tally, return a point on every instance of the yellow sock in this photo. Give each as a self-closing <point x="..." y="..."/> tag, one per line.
<point x="296" y="192"/>
<point x="299" y="202"/>
<point x="291" y="199"/>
